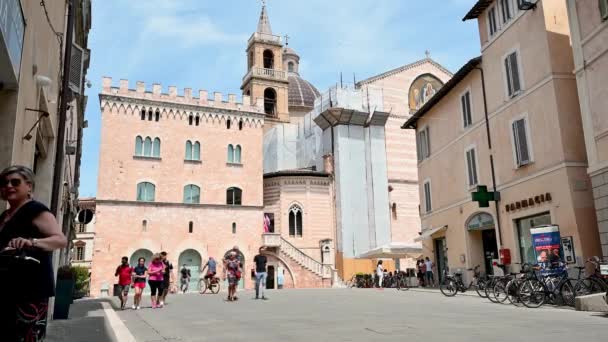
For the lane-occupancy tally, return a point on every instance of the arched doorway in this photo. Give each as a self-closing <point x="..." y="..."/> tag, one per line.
<point x="141" y="253"/>
<point x="270" y="102"/>
<point x="482" y="234"/>
<point x="244" y="274"/>
<point x="193" y="261"/>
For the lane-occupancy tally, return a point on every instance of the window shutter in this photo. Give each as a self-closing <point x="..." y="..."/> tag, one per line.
<point x="427" y="143"/>
<point x="469" y="111"/>
<point x="469" y="168"/>
<point x="418" y="146"/>
<point x="508" y="75"/>
<point x="423" y="144"/>
<point x="515" y="72"/>
<point x="464" y="110"/>
<point x="521" y="142"/>
<point x="474" y="164"/>
<point x="76" y="66"/>
<point x="472" y="167"/>
<point x="429" y="202"/>
<point x="604" y="9"/>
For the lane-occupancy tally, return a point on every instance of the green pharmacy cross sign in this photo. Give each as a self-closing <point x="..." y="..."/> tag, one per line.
<point x="484" y="197"/>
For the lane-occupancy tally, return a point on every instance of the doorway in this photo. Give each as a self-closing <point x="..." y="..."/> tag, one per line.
<point x="490" y="250"/>
<point x="193" y="261"/>
<point x="441" y="258"/>
<point x="133" y="261"/>
<point x="270" y="278"/>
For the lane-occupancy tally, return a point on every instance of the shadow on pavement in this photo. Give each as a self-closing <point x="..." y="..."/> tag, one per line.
<point x="86" y="323"/>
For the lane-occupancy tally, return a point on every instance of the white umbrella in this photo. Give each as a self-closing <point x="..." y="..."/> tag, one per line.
<point x="394" y="250"/>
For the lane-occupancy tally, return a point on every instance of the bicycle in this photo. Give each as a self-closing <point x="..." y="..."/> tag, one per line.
<point x="403" y="282"/>
<point x="211" y="284"/>
<point x="535" y="291"/>
<point x="17" y="256"/>
<point x="591" y="284"/>
<point x="452" y="284"/>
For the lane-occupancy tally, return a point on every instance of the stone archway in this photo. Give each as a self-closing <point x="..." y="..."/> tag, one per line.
<point x="141" y="253"/>
<point x="241" y="257"/>
<point x="193" y="261"/>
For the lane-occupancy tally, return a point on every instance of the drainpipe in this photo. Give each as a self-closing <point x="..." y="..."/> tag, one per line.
<point x="485" y="108"/>
<point x="60" y="149"/>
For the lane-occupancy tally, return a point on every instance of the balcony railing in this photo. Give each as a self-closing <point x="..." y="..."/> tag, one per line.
<point x="266" y="73"/>
<point x="264" y="37"/>
<point x="271" y="240"/>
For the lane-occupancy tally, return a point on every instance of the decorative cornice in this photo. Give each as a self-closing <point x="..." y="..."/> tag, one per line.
<point x="107" y="99"/>
<point x="181" y="111"/>
<point x="403" y="68"/>
<point x="178" y="205"/>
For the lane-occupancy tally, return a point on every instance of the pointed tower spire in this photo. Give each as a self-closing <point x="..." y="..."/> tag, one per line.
<point x="264" y="23"/>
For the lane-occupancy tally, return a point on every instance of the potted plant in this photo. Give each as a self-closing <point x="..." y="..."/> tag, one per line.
<point x="64" y="291"/>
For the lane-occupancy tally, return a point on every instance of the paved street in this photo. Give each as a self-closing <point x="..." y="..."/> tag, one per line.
<point x="358" y="315"/>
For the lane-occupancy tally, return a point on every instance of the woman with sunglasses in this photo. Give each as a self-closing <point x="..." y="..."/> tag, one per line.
<point x="26" y="226"/>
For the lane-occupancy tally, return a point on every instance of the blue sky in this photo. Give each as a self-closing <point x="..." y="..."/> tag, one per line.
<point x="201" y="44"/>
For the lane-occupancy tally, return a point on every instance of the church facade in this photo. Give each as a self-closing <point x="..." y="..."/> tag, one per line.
<point x="315" y="178"/>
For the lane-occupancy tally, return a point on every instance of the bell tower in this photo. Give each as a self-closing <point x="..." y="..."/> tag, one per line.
<point x="266" y="80"/>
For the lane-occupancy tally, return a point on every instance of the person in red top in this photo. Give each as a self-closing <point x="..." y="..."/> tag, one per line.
<point x="123" y="272"/>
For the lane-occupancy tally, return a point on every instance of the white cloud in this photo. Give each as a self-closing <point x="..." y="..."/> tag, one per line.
<point x="182" y="22"/>
<point x="190" y="31"/>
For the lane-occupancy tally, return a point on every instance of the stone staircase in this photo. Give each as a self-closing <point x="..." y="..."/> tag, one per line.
<point x="304" y="260"/>
<point x="285" y="248"/>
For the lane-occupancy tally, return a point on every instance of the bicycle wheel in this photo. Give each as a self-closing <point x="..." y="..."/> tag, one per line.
<point x="480" y="288"/>
<point x="532" y="293"/>
<point x="449" y="288"/>
<point x="567" y="293"/>
<point x="402" y="285"/>
<point x="202" y="287"/>
<point x="513" y="291"/>
<point x="490" y="290"/>
<point x="500" y="291"/>
<point x="215" y="286"/>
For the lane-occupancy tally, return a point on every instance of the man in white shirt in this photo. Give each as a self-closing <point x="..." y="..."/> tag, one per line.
<point x="430" y="281"/>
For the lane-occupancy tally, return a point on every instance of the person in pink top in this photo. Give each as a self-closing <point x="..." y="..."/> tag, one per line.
<point x="155" y="278"/>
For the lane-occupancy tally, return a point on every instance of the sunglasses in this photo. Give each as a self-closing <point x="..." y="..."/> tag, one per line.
<point x="14" y="182"/>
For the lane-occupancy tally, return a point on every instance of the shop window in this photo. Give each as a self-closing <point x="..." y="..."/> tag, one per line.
<point x="526" y="249"/>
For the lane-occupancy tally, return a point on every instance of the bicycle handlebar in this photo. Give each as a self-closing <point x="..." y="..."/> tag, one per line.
<point x="19" y="255"/>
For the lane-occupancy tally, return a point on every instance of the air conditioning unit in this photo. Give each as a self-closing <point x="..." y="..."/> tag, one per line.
<point x="526" y="5"/>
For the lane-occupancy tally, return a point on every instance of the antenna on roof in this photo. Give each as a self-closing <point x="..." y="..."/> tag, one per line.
<point x="354" y="80"/>
<point x="341" y="84"/>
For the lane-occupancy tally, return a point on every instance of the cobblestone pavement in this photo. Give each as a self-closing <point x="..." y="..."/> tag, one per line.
<point x="358" y="315"/>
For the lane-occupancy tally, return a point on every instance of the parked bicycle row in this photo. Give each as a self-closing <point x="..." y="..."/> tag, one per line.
<point x="534" y="286"/>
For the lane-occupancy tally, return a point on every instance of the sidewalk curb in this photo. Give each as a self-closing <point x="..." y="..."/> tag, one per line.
<point x="117" y="327"/>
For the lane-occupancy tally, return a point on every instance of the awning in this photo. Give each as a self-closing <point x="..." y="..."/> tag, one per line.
<point x="394" y="250"/>
<point x="429" y="232"/>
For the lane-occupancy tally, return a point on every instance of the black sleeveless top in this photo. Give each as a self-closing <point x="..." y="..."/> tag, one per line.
<point x="26" y="280"/>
